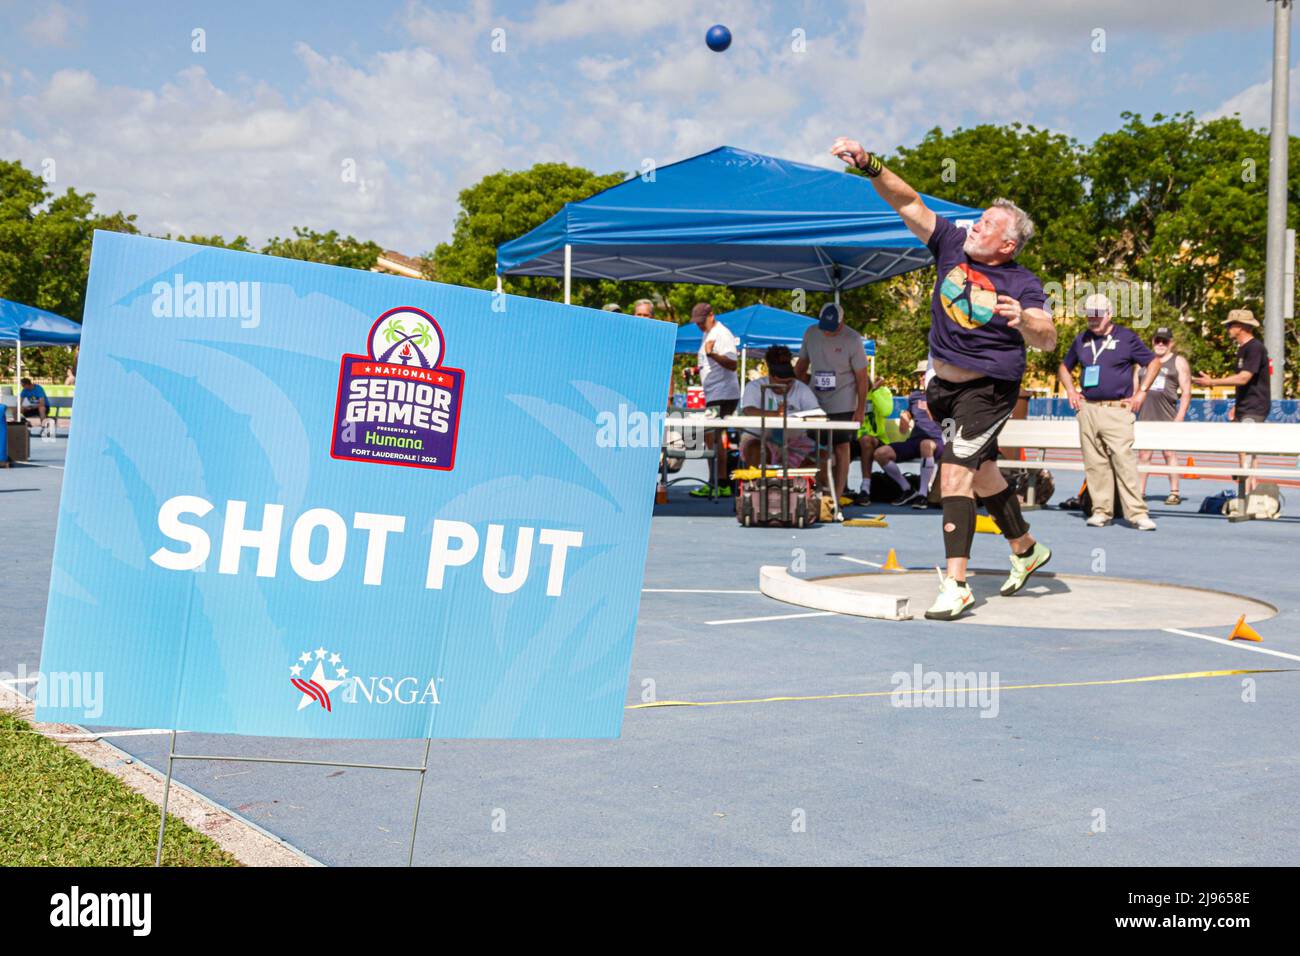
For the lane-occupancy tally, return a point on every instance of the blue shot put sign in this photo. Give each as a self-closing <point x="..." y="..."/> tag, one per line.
<point x="222" y="564"/>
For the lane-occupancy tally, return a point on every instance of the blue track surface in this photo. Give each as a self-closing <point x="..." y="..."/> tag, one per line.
<point x="1185" y="771"/>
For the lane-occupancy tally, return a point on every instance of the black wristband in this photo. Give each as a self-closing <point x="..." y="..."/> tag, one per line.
<point x="872" y="167"/>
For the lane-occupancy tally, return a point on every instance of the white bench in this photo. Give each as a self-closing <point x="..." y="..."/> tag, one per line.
<point x="1250" y="438"/>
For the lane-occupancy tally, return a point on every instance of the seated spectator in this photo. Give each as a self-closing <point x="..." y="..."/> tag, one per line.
<point x="873" y="433"/>
<point x="924" y="442"/>
<point x="787" y="394"/>
<point x="33" y="402"/>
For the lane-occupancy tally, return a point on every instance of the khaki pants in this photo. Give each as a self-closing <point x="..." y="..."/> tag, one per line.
<point x="1106" y="434"/>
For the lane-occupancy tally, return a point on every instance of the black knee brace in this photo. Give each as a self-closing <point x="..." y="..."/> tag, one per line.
<point x="1004" y="508"/>
<point x="958" y="525"/>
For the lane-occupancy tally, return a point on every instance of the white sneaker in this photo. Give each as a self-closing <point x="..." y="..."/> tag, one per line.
<point x="953" y="599"/>
<point x="1098" y="520"/>
<point x="1144" y="523"/>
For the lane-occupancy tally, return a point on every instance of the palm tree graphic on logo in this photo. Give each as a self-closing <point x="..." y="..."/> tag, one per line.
<point x="407" y="346"/>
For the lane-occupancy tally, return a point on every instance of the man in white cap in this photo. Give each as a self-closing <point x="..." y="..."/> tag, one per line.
<point x="1107" y="408"/>
<point x="1253" y="399"/>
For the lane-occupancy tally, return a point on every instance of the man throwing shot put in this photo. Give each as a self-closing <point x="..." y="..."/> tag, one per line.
<point x="984" y="311"/>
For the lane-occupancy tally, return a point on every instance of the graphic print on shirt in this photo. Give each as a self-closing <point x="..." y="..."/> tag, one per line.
<point x="968" y="296"/>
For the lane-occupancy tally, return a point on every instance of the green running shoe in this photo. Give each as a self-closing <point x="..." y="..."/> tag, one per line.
<point x="1021" y="568"/>
<point x="953" y="599"/>
<point x="705" y="491"/>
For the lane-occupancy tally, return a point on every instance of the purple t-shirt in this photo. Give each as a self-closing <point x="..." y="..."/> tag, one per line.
<point x="1113" y="355"/>
<point x="963" y="327"/>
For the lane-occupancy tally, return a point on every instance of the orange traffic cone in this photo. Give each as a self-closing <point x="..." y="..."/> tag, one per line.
<point x="1191" y="463"/>
<point x="891" y="562"/>
<point x="1244" y="632"/>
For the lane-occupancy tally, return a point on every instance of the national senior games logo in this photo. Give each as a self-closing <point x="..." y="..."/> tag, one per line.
<point x="968" y="296"/>
<point x="397" y="405"/>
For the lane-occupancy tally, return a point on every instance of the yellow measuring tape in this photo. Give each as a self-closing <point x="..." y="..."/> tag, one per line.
<point x="890" y="693"/>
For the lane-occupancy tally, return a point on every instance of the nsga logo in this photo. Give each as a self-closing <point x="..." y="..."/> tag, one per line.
<point x="398" y="405"/>
<point x="319" y="684"/>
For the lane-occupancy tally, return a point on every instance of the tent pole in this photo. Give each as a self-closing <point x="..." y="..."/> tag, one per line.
<point x="568" y="271"/>
<point x="18" y="370"/>
<point x="744" y="361"/>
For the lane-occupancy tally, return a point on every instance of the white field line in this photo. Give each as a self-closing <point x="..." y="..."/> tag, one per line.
<point x="773" y="617"/>
<point x="845" y="557"/>
<point x="1240" y="645"/>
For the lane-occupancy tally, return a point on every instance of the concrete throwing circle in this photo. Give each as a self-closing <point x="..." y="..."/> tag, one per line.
<point x="1068" y="601"/>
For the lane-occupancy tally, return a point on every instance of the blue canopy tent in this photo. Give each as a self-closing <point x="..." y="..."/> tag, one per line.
<point x="26" y="325"/>
<point x="759" y="327"/>
<point x="728" y="217"/>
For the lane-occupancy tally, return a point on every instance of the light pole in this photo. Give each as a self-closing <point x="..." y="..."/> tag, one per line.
<point x="1275" y="272"/>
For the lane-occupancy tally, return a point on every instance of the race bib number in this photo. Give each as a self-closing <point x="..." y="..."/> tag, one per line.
<point x="1091" y="376"/>
<point x="1159" y="384"/>
<point x="824" y="381"/>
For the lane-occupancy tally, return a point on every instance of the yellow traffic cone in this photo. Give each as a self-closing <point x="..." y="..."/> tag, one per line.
<point x="1244" y="632"/>
<point x="891" y="562"/>
<point x="986" y="525"/>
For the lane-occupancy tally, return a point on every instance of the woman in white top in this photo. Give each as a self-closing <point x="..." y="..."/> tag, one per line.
<point x="1167" y="401"/>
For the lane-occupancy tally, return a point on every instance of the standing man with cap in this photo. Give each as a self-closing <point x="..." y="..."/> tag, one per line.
<point x="833" y="360"/>
<point x="718" y="359"/>
<point x="1253" y="401"/>
<point x="985" y="309"/>
<point x="1107" y="408"/>
<point x="1167" y="401"/>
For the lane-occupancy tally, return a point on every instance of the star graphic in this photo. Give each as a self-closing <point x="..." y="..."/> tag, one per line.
<point x="335" y="659"/>
<point x="306" y="657"/>
<point x="318" y="675"/>
<point x="320" y="653"/>
<point x="296" y="670"/>
<point x="341" y="673"/>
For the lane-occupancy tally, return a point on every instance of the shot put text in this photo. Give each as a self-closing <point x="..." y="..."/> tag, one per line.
<point x="452" y="544"/>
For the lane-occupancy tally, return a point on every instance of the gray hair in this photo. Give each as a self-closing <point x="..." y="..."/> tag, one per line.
<point x="640" y="302"/>
<point x="1022" y="228"/>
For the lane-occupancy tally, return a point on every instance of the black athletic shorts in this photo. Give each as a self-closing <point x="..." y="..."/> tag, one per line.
<point x="725" y="406"/>
<point x="840" y="436"/>
<point x="972" y="413"/>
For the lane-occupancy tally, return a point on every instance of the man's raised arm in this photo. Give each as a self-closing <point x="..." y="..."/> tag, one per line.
<point x="904" y="200"/>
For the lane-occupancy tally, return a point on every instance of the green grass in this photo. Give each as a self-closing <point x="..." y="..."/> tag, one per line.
<point x="58" y="810"/>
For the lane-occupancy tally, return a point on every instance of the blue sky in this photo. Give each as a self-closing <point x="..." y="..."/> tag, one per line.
<point x="254" y="134"/>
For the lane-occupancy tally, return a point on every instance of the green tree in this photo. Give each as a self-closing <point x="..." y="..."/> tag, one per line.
<point x="239" y="243"/>
<point x="326" y="247"/>
<point x="1037" y="169"/>
<point x="505" y="205"/>
<point x="45" y="241"/>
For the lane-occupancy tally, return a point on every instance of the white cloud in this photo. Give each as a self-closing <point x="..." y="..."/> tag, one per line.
<point x="193" y="157"/>
<point x="54" y="27"/>
<point x="597" y="83"/>
<point x="1255" y="103"/>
